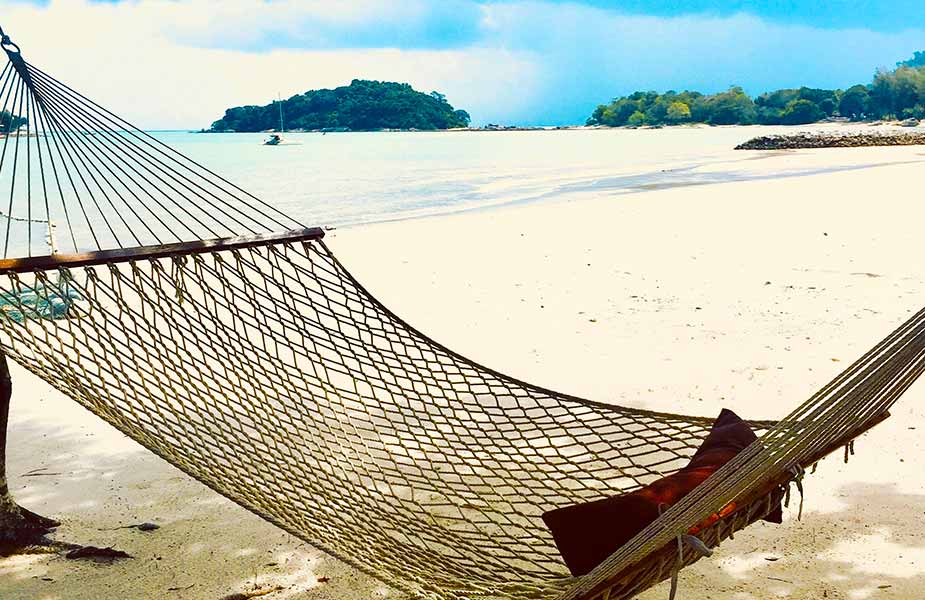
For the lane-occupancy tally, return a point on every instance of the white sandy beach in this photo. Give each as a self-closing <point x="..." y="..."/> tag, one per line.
<point x="747" y="295"/>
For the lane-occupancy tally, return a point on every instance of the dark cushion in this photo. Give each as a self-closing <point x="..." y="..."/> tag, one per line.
<point x="588" y="533"/>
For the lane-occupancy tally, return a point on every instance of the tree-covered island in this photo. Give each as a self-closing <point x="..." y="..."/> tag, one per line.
<point x="893" y="94"/>
<point x="361" y="106"/>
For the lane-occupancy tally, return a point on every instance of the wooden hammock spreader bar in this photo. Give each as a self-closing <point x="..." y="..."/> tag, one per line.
<point x="119" y="255"/>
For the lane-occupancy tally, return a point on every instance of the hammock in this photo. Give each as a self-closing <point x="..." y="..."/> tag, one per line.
<point x="226" y="338"/>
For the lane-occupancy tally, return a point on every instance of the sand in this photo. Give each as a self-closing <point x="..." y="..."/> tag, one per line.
<point x="747" y="295"/>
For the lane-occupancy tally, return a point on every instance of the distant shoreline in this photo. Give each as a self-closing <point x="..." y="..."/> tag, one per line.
<point x="503" y="128"/>
<point x="452" y="130"/>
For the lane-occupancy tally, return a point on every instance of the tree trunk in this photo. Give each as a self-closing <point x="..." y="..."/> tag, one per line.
<point x="18" y="527"/>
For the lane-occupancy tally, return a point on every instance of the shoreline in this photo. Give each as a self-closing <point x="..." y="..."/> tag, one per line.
<point x="513" y="128"/>
<point x="672" y="158"/>
<point x="644" y="187"/>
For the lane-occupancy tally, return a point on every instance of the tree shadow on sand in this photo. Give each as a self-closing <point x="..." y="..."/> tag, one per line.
<point x="99" y="484"/>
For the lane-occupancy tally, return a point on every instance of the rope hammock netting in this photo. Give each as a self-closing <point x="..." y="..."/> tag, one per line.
<point x="226" y="337"/>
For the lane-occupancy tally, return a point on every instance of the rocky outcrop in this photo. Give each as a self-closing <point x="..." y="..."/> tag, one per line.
<point x="832" y="140"/>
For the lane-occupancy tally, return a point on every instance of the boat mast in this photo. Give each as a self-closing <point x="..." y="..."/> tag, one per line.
<point x="282" y="128"/>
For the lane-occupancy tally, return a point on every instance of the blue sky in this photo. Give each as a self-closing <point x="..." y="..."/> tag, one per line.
<point x="512" y="61"/>
<point x="880" y="15"/>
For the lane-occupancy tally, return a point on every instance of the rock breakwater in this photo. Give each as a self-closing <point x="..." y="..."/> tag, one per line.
<point x="832" y="140"/>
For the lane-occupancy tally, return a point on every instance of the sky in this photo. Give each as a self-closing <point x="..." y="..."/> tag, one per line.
<point x="177" y="64"/>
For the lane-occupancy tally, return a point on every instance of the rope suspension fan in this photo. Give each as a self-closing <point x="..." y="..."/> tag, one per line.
<point x="225" y="337"/>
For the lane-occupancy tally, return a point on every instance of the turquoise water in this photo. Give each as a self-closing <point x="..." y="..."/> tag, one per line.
<point x="352" y="178"/>
<point x="344" y="179"/>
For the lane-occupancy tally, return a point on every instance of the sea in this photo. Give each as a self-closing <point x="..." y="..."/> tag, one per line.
<point x="346" y="179"/>
<point x="350" y="179"/>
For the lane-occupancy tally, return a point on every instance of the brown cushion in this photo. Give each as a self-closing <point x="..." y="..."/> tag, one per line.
<point x="588" y="533"/>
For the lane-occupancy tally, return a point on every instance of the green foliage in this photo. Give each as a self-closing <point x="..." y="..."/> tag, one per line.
<point x="800" y="112"/>
<point x="655" y="109"/>
<point x="917" y="60"/>
<point x="892" y="94"/>
<point x="726" y="108"/>
<point x="462" y="117"/>
<point x="678" y="111"/>
<point x="826" y="100"/>
<point x="732" y="107"/>
<point x="636" y="119"/>
<point x="855" y="102"/>
<point x="778" y="99"/>
<point x="769" y="115"/>
<point x="361" y="106"/>
<point x="829" y="106"/>
<point x="780" y="107"/>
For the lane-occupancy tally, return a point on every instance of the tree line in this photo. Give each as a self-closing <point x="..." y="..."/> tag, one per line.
<point x="893" y="94"/>
<point x="361" y="106"/>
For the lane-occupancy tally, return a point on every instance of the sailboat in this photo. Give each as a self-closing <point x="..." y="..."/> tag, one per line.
<point x="276" y="139"/>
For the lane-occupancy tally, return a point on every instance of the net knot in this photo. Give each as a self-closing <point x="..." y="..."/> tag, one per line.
<point x="7" y="44"/>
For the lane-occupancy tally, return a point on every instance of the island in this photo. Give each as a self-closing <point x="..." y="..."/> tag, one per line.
<point x="897" y="94"/>
<point x="361" y="106"/>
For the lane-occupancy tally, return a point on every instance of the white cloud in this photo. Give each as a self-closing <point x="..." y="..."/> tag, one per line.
<point x="126" y="57"/>
<point x="180" y="63"/>
<point x="319" y="23"/>
<point x="589" y="54"/>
